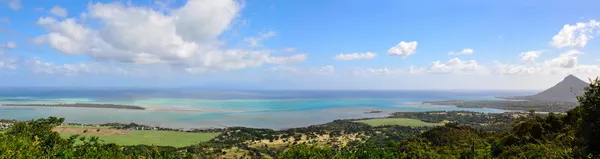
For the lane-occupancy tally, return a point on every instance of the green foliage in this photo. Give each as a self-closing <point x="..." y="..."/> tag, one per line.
<point x="306" y="151"/>
<point x="396" y="121"/>
<point x="590" y="119"/>
<point x="35" y="139"/>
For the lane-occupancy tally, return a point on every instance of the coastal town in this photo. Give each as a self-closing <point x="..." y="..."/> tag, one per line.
<point x="5" y="125"/>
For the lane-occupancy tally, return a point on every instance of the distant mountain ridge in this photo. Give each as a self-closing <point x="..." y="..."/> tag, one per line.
<point x="566" y="90"/>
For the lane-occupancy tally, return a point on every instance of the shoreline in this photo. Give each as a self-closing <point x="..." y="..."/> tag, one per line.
<point x="200" y="118"/>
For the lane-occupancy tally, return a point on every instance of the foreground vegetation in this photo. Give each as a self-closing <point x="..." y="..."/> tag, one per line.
<point x="397" y="121"/>
<point x="466" y="135"/>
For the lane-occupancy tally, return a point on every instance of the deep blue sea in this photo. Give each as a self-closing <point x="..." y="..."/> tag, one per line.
<point x="188" y="108"/>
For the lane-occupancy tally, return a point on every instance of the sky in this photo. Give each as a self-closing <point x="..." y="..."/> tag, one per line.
<point x="293" y="44"/>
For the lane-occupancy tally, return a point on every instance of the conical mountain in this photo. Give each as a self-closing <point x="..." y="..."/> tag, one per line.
<point x="566" y="90"/>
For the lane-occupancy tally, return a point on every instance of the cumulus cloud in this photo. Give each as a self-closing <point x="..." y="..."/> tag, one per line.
<point x="456" y="65"/>
<point x="355" y="56"/>
<point x="185" y="37"/>
<point x="289" y="49"/>
<point x="59" y="11"/>
<point x="403" y="49"/>
<point x="256" y="41"/>
<point x="576" y="35"/>
<point x="467" y="51"/>
<point x="565" y="63"/>
<point x="14" y="4"/>
<point x="588" y="69"/>
<point x="565" y="60"/>
<point x="288" y="70"/>
<point x="530" y="56"/>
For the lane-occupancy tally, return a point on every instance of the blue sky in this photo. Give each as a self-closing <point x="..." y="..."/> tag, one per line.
<point x="268" y="44"/>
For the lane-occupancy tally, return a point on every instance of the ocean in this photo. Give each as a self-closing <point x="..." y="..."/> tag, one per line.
<point x="188" y="108"/>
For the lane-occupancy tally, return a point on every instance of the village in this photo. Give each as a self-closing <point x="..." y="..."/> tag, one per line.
<point x="5" y="125"/>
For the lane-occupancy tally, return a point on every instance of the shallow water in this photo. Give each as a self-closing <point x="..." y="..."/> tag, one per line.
<point x="261" y="109"/>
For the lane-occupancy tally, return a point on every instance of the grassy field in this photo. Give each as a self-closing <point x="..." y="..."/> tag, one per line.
<point x="84" y="127"/>
<point x="150" y="137"/>
<point x="397" y="121"/>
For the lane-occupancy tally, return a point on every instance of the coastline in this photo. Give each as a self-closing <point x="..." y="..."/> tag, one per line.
<point x="273" y="114"/>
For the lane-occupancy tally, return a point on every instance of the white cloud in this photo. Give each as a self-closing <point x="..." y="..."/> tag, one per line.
<point x="576" y="35"/>
<point x="8" y="63"/>
<point x="66" y="36"/>
<point x="371" y="71"/>
<point x="505" y="69"/>
<point x="14" y="4"/>
<point x="565" y="60"/>
<point x="530" y="56"/>
<point x="38" y="66"/>
<point x="414" y="70"/>
<point x="289" y="59"/>
<point x="467" y="51"/>
<point x="289" y="49"/>
<point x="355" y="56"/>
<point x="456" y="65"/>
<point x="256" y="41"/>
<point x="59" y="11"/>
<point x="403" y="49"/>
<point x="565" y="63"/>
<point x="11" y="45"/>
<point x="287" y="70"/>
<point x="327" y="69"/>
<point x="185" y="38"/>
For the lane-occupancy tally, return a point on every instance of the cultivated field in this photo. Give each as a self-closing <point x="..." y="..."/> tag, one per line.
<point x="397" y="121"/>
<point x="140" y="137"/>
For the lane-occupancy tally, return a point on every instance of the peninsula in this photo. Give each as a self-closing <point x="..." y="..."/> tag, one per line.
<point x="80" y="105"/>
<point x="558" y="98"/>
<point x="538" y="106"/>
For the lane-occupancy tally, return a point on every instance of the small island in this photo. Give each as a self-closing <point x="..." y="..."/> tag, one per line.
<point x="80" y="105"/>
<point x="374" y="112"/>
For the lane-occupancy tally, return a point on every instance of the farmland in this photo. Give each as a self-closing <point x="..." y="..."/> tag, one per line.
<point x="140" y="137"/>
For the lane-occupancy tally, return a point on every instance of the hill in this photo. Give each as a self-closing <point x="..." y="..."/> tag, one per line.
<point x="566" y="90"/>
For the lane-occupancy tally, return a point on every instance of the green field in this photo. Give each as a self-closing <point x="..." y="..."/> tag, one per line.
<point x="150" y="137"/>
<point x="84" y="127"/>
<point x="397" y="121"/>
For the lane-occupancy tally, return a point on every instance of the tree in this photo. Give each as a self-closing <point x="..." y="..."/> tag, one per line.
<point x="589" y="127"/>
<point x="302" y="151"/>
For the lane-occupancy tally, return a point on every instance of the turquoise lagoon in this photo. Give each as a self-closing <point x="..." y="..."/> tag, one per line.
<point x="276" y="110"/>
